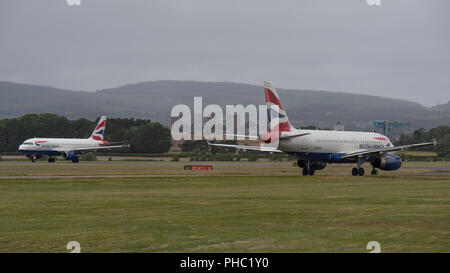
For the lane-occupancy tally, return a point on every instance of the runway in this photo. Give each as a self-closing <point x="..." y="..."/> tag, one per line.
<point x="142" y="169"/>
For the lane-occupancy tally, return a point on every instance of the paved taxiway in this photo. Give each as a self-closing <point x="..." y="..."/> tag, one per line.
<point x="416" y="169"/>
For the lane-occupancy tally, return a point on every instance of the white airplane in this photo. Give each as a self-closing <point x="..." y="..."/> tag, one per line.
<point x="68" y="148"/>
<point x="316" y="148"/>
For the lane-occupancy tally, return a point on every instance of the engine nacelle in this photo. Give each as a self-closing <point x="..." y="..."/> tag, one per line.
<point x="70" y="155"/>
<point x="389" y="162"/>
<point x="316" y="165"/>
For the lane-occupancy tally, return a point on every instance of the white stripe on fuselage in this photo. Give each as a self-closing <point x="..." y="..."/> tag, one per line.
<point x="334" y="142"/>
<point x="57" y="144"/>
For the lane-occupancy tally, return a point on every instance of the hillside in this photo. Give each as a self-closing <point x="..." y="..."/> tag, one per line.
<point x="154" y="100"/>
<point x="442" y="107"/>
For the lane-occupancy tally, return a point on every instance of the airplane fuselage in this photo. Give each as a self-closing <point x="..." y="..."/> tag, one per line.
<point x="329" y="146"/>
<point x="56" y="146"/>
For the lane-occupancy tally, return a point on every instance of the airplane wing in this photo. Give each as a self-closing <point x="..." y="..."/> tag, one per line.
<point x="242" y="136"/>
<point x="258" y="137"/>
<point x="294" y="135"/>
<point x="89" y="149"/>
<point x="389" y="149"/>
<point x="245" y="147"/>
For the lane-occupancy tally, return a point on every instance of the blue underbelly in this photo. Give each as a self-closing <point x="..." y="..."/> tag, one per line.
<point x="325" y="157"/>
<point x="39" y="152"/>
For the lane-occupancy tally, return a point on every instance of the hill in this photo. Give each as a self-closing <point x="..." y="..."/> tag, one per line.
<point x="154" y="100"/>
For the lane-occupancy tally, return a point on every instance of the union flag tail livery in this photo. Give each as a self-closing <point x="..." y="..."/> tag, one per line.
<point x="99" y="130"/>
<point x="273" y="113"/>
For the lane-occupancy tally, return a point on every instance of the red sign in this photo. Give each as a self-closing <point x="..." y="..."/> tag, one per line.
<point x="198" y="167"/>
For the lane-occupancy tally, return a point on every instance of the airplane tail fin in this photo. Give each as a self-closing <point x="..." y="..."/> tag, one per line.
<point x="99" y="130"/>
<point x="276" y="115"/>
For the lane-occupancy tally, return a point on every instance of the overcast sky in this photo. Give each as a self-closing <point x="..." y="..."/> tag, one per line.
<point x="400" y="49"/>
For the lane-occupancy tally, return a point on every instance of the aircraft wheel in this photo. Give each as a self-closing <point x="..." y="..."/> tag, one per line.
<point x="305" y="171"/>
<point x="311" y="171"/>
<point x="75" y="160"/>
<point x="354" y="171"/>
<point x="361" y="172"/>
<point x="51" y="160"/>
<point x="374" y="172"/>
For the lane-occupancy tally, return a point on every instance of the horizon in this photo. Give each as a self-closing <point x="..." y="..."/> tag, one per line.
<point x="227" y="82"/>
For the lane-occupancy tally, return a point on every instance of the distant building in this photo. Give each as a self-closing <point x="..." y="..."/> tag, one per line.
<point x="338" y="127"/>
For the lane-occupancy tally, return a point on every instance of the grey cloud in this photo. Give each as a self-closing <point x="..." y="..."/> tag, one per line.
<point x="397" y="50"/>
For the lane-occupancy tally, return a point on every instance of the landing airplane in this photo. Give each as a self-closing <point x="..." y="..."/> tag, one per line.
<point x="68" y="148"/>
<point x="317" y="148"/>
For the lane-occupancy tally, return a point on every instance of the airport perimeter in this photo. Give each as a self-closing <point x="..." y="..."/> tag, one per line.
<point x="125" y="206"/>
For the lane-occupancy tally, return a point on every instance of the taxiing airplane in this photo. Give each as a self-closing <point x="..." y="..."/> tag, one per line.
<point x="317" y="148"/>
<point x="68" y="148"/>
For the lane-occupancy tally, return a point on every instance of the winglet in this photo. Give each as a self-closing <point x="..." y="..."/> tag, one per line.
<point x="435" y="143"/>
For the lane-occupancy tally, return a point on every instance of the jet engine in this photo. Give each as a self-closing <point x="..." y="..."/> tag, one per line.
<point x="315" y="165"/>
<point x="70" y="155"/>
<point x="389" y="162"/>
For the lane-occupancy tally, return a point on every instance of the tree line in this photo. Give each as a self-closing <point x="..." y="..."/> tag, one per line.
<point x="441" y="134"/>
<point x="143" y="135"/>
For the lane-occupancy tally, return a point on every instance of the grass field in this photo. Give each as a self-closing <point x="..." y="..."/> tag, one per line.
<point x="405" y="213"/>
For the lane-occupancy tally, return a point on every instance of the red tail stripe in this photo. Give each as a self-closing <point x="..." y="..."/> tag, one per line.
<point x="281" y="127"/>
<point x="270" y="97"/>
<point x="285" y="127"/>
<point x="102" y="124"/>
<point x="97" y="138"/>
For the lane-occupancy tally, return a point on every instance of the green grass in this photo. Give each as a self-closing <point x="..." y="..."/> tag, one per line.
<point x="226" y="214"/>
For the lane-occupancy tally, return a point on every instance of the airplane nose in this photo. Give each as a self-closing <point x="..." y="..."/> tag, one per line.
<point x="20" y="147"/>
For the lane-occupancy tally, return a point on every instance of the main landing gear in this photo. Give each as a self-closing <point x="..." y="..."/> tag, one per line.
<point x="51" y="160"/>
<point x="307" y="168"/>
<point x="359" y="171"/>
<point x="306" y="171"/>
